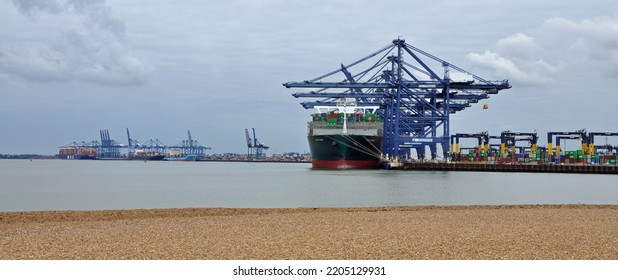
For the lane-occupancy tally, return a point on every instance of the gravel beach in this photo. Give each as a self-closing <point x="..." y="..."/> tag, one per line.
<point x="409" y="233"/>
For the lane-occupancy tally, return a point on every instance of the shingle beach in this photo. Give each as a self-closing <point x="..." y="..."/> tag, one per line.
<point x="390" y="233"/>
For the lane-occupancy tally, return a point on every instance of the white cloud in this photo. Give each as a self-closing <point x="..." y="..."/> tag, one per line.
<point x="518" y="58"/>
<point x="520" y="46"/>
<point x="87" y="44"/>
<point x="520" y="72"/>
<point x="589" y="45"/>
<point x="591" y="42"/>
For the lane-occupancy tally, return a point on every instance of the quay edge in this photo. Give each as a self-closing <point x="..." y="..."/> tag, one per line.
<point x="479" y="167"/>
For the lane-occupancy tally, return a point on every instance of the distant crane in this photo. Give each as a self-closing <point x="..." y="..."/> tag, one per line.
<point x="133" y="144"/>
<point x="255" y="149"/>
<point x="109" y="148"/>
<point x="191" y="147"/>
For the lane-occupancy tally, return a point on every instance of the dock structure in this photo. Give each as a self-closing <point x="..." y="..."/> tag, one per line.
<point x="484" y="167"/>
<point x="415" y="91"/>
<point x="508" y="156"/>
<point x="111" y="149"/>
<point x="512" y="151"/>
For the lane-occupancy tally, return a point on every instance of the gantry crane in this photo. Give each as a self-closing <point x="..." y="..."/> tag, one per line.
<point x="580" y="134"/>
<point x="133" y="144"/>
<point x="482" y="137"/>
<point x="591" y="145"/>
<point x="415" y="102"/>
<point x="109" y="148"/>
<point x="255" y="149"/>
<point x="156" y="146"/>
<point x="508" y="140"/>
<point x="191" y="147"/>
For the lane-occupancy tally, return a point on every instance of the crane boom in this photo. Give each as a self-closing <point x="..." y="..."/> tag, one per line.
<point x="249" y="144"/>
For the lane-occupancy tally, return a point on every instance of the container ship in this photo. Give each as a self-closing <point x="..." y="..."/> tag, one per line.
<point x="177" y="155"/>
<point x="345" y="137"/>
<point x="77" y="153"/>
<point x="140" y="154"/>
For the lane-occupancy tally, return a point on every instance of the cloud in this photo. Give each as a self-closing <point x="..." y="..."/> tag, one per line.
<point x="86" y="44"/>
<point x="520" y="46"/>
<point x="589" y="45"/>
<point x="517" y="58"/>
<point x="593" y="42"/>
<point x="521" y="72"/>
<point x="30" y="7"/>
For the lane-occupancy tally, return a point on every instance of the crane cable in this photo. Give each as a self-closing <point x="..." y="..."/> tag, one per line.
<point x="363" y="146"/>
<point x="365" y="150"/>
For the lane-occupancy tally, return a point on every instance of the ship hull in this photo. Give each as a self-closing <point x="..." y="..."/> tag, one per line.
<point x="183" y="158"/>
<point x="146" y="157"/>
<point x="76" y="156"/>
<point x="345" y="151"/>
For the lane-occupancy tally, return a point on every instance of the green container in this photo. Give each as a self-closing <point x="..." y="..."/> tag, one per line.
<point x="612" y="161"/>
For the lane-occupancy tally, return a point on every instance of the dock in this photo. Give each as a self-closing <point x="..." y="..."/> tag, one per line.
<point x="484" y="167"/>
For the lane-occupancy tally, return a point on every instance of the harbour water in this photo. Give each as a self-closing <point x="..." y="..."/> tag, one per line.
<point x="100" y="185"/>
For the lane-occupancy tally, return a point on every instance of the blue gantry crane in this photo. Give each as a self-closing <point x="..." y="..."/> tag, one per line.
<point x="483" y="142"/>
<point x="133" y="144"/>
<point x="509" y="141"/>
<point x="592" y="146"/>
<point x="415" y="101"/>
<point x="579" y="134"/>
<point x="191" y="146"/>
<point x="109" y="148"/>
<point x="255" y="149"/>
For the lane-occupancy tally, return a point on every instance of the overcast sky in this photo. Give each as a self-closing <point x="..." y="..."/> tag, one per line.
<point x="69" y="68"/>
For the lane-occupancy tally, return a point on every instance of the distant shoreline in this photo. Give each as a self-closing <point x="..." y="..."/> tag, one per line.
<point x="18" y="157"/>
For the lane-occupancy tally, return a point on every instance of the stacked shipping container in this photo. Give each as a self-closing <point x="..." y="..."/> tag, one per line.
<point x="337" y="118"/>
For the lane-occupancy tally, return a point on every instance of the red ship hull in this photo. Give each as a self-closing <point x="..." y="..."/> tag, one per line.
<point x="345" y="164"/>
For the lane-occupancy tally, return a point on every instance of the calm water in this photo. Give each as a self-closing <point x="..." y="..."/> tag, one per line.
<point x="95" y="185"/>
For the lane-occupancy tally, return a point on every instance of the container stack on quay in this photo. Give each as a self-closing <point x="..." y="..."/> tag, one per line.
<point x="576" y="157"/>
<point x="509" y="151"/>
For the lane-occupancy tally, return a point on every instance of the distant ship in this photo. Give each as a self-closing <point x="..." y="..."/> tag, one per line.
<point x="177" y="155"/>
<point x="140" y="154"/>
<point x="77" y="153"/>
<point x="182" y="158"/>
<point x="345" y="137"/>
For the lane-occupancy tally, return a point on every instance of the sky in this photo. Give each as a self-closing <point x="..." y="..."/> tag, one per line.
<point x="70" y="68"/>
